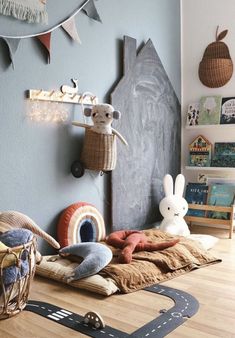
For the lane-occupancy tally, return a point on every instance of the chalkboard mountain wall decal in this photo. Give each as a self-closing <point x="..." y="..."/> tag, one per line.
<point x="151" y="123"/>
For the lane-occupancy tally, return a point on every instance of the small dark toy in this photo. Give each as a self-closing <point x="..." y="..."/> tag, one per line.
<point x="94" y="319"/>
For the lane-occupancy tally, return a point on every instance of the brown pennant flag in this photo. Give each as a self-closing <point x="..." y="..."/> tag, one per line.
<point x="71" y="29"/>
<point x="45" y="40"/>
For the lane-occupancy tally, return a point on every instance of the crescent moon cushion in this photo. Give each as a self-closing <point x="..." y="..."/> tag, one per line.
<point x="95" y="257"/>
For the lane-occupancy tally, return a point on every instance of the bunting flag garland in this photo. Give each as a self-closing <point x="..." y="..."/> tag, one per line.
<point x="91" y="11"/>
<point x="12" y="45"/>
<point x="45" y="40"/>
<point x="12" y="7"/>
<point x="71" y="29"/>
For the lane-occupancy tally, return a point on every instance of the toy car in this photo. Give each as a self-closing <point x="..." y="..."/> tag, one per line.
<point x="94" y="319"/>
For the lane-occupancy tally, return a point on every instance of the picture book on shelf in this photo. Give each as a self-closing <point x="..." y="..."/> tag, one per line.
<point x="209" y="111"/>
<point x="196" y="193"/>
<point x="220" y="180"/>
<point x="200" y="152"/>
<point x="224" y="148"/>
<point x="192" y="114"/>
<point x="224" y="154"/>
<point x="222" y="195"/>
<point x="227" y="110"/>
<point x="223" y="161"/>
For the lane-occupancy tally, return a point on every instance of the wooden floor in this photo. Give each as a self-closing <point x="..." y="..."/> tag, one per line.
<point x="213" y="286"/>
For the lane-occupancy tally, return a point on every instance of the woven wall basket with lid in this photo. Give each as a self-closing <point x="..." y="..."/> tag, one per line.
<point x="99" y="151"/>
<point x="216" y="66"/>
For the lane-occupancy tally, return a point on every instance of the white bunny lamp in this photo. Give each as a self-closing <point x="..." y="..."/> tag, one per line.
<point x="174" y="207"/>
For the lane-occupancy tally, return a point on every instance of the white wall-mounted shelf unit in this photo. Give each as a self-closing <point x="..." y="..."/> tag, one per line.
<point x="209" y="126"/>
<point x="210" y="168"/>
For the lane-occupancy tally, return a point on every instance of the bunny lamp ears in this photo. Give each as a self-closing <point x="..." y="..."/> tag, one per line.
<point x="169" y="185"/>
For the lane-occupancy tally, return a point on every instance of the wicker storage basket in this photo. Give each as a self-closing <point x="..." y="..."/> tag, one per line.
<point x="99" y="151"/>
<point x="215" y="73"/>
<point x="14" y="298"/>
<point x="216" y="66"/>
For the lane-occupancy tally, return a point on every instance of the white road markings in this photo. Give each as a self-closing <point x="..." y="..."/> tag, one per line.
<point x="58" y="316"/>
<point x="62" y="313"/>
<point x="65" y="311"/>
<point x="173" y="314"/>
<point x="52" y="317"/>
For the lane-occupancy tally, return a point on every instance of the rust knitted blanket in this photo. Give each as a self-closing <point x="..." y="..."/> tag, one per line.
<point x="148" y="268"/>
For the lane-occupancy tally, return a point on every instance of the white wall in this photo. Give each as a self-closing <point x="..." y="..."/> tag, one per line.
<point x="199" y="21"/>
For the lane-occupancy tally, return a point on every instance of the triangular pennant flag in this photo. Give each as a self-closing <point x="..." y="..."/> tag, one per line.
<point x="12" y="45"/>
<point x="91" y="11"/>
<point x="70" y="28"/>
<point x="45" y="39"/>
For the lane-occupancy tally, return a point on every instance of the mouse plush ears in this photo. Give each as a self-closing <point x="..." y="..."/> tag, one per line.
<point x="216" y="66"/>
<point x="115" y="113"/>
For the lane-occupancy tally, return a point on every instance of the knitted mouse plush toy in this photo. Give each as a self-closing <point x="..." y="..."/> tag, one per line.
<point x="133" y="241"/>
<point x="102" y="116"/>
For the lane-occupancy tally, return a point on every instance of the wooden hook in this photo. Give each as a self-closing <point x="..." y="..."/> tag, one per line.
<point x="93" y="98"/>
<point x="51" y="93"/>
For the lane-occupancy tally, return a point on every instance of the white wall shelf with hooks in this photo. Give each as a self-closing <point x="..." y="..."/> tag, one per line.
<point x="48" y="106"/>
<point x="58" y="96"/>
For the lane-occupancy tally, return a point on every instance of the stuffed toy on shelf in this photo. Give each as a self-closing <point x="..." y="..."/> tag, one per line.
<point x="99" y="150"/>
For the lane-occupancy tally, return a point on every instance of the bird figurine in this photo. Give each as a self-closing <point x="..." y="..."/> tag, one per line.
<point x="69" y="89"/>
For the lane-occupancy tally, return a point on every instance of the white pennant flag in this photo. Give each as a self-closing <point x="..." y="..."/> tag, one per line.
<point x="71" y="29"/>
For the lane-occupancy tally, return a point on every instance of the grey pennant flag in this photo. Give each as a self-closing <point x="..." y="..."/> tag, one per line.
<point x="91" y="11"/>
<point x="12" y="45"/>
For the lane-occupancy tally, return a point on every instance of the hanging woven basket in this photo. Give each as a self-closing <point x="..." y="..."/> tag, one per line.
<point x="216" y="66"/>
<point x="99" y="151"/>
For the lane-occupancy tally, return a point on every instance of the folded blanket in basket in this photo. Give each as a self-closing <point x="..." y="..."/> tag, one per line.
<point x="14" y="238"/>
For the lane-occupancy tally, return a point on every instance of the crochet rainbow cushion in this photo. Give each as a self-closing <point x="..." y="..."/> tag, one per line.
<point x="80" y="222"/>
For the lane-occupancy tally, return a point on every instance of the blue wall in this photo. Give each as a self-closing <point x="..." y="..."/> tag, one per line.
<point x="35" y="158"/>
